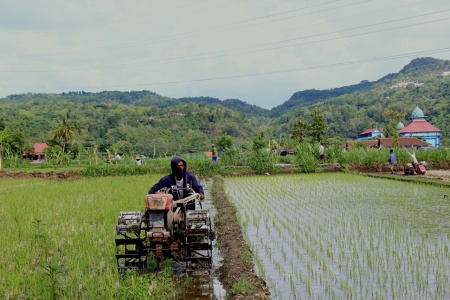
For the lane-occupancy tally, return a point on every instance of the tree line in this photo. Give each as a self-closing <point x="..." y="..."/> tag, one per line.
<point x="145" y="123"/>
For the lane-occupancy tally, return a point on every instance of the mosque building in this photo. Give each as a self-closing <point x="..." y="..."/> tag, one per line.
<point x="418" y="127"/>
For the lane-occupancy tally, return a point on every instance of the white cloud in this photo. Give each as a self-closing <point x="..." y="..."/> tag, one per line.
<point x="259" y="51"/>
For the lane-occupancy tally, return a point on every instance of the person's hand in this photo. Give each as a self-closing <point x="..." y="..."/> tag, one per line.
<point x="202" y="197"/>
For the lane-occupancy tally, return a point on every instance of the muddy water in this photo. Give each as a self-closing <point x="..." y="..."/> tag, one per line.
<point x="202" y="286"/>
<point x="342" y="236"/>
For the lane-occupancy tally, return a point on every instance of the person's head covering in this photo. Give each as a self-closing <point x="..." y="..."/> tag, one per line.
<point x="212" y="145"/>
<point x="174" y="165"/>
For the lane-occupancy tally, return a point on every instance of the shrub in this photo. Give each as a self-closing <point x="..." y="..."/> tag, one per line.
<point x="262" y="160"/>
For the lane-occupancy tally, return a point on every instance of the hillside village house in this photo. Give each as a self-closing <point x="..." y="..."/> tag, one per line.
<point x="425" y="134"/>
<point x="38" y="152"/>
<point x="371" y="133"/>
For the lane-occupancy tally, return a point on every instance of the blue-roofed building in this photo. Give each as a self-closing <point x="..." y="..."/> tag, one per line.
<point x="420" y="128"/>
<point x="371" y="133"/>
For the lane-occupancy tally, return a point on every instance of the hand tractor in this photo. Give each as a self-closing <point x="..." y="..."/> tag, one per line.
<point x="166" y="229"/>
<point x="418" y="168"/>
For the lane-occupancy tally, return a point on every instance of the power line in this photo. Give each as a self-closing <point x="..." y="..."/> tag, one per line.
<point x="368" y="60"/>
<point x="187" y="34"/>
<point x="291" y="70"/>
<point x="199" y="56"/>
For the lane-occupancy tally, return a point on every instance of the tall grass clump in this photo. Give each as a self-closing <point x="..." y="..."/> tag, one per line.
<point x="307" y="157"/>
<point x="232" y="156"/>
<point x="262" y="160"/>
<point x="288" y="159"/>
<point x="332" y="153"/>
<point x="434" y="155"/>
<point x="364" y="156"/>
<point x="203" y="166"/>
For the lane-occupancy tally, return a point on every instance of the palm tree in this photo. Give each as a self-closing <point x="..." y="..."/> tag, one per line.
<point x="67" y="130"/>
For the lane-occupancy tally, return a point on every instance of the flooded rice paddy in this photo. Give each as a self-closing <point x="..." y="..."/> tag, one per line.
<point x="203" y="287"/>
<point x="343" y="236"/>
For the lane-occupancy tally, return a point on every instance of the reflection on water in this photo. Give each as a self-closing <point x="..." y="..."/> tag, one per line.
<point x="206" y="286"/>
<point x="343" y="236"/>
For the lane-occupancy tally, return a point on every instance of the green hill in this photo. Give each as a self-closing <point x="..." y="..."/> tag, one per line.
<point x="134" y="122"/>
<point x="140" y="121"/>
<point x="352" y="109"/>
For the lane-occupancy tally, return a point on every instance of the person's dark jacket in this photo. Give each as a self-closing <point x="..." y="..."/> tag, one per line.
<point x="169" y="181"/>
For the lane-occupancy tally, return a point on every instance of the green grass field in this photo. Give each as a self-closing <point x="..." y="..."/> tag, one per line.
<point x="57" y="239"/>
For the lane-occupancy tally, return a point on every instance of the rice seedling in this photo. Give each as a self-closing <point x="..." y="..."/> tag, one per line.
<point x="60" y="239"/>
<point x="348" y="236"/>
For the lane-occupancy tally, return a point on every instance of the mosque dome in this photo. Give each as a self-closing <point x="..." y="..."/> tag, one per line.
<point x="400" y="125"/>
<point x="417" y="112"/>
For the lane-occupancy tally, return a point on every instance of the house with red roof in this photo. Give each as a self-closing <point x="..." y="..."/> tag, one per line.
<point x="420" y="128"/>
<point x="38" y="152"/>
<point x="371" y="133"/>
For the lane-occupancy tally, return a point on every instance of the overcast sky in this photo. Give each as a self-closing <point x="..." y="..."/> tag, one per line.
<point x="258" y="51"/>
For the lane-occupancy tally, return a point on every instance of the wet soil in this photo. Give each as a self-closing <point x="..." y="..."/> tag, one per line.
<point x="237" y="269"/>
<point x="237" y="266"/>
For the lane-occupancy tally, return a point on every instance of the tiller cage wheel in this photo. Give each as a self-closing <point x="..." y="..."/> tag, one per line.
<point x="199" y="237"/>
<point x="130" y="242"/>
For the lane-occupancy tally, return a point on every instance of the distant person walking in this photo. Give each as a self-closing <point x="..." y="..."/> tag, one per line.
<point x="322" y="153"/>
<point x="214" y="153"/>
<point x="392" y="160"/>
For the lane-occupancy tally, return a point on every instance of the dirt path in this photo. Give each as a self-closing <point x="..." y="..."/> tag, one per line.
<point x="437" y="174"/>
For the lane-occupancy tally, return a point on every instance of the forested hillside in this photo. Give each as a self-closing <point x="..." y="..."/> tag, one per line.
<point x="145" y="122"/>
<point x="127" y="122"/>
<point x="425" y="82"/>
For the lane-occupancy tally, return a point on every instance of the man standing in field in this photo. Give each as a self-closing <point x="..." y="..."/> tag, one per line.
<point x="322" y="153"/>
<point x="392" y="160"/>
<point x="179" y="178"/>
<point x="214" y="153"/>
